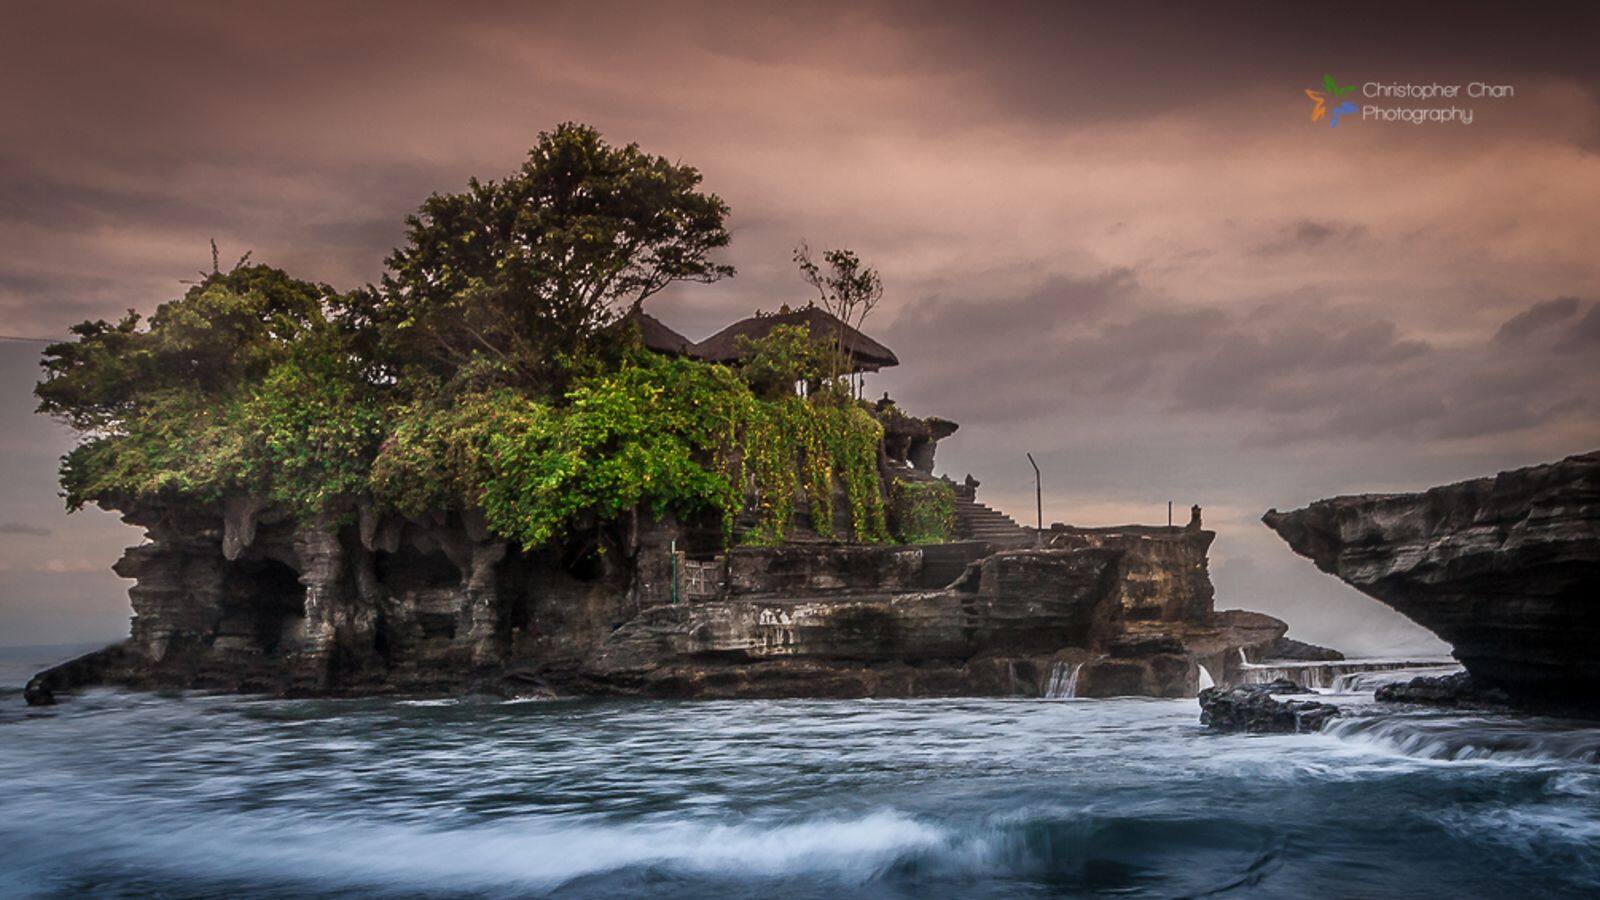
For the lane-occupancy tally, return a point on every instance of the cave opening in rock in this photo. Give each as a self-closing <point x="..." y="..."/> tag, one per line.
<point x="426" y="586"/>
<point x="263" y="606"/>
<point x="582" y="560"/>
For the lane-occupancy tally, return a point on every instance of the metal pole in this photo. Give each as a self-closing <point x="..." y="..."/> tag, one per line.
<point x="1169" y="513"/>
<point x="674" y="552"/>
<point x="1038" y="497"/>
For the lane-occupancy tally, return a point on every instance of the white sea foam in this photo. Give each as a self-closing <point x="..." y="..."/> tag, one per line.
<point x="539" y="854"/>
<point x="1458" y="739"/>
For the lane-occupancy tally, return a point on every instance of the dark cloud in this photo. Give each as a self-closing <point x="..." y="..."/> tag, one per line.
<point x="1285" y="371"/>
<point x="1537" y="317"/>
<point x="1306" y="235"/>
<point x="1585" y="336"/>
<point x="1073" y="62"/>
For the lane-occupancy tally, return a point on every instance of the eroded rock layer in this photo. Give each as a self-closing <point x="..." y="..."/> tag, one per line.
<point x="242" y="597"/>
<point x="1506" y="569"/>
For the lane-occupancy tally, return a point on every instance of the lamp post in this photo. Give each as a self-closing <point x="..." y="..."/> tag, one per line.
<point x="1038" y="499"/>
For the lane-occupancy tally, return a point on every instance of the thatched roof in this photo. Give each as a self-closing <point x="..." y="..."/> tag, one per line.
<point x="656" y="335"/>
<point x="868" y="355"/>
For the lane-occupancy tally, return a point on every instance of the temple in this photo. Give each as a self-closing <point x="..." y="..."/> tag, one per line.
<point x="241" y="595"/>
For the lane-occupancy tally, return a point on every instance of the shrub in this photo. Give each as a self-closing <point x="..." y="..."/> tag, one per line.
<point x="924" y="512"/>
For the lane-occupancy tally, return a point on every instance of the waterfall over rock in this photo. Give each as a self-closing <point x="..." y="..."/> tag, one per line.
<point x="1342" y="675"/>
<point x="1063" y="681"/>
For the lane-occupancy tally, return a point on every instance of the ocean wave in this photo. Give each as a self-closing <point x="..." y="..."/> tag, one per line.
<point x="552" y="852"/>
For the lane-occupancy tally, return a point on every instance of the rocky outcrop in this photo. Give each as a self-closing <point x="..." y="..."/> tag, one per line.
<point x="1506" y="569"/>
<point x="1287" y="648"/>
<point x="242" y="597"/>
<point x="1253" y="708"/>
<point x="89" y="668"/>
<point x="1458" y="689"/>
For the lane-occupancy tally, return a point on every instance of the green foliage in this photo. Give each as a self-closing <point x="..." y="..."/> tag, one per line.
<point x="479" y="377"/>
<point x="849" y="290"/>
<point x="226" y="331"/>
<point x="924" y="512"/>
<point x="310" y="430"/>
<point x="243" y="384"/>
<point x="528" y="271"/>
<point x="786" y="355"/>
<point x="180" y="445"/>
<point x="654" y="433"/>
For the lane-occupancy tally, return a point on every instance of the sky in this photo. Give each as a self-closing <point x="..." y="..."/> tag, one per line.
<point x="1110" y="235"/>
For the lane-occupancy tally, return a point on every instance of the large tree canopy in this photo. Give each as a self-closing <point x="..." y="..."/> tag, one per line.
<point x="229" y="329"/>
<point x="243" y="384"/>
<point x="521" y="275"/>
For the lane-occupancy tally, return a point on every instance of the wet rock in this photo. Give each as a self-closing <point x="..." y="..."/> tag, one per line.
<point x="90" y="668"/>
<point x="1458" y="689"/>
<point x="1253" y="708"/>
<point x="38" y="693"/>
<point x="1505" y="569"/>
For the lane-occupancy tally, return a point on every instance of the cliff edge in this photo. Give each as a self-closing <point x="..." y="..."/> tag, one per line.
<point x="1506" y="569"/>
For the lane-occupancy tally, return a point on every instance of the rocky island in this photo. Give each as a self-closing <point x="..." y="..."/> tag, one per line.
<point x="481" y="477"/>
<point x="1506" y="569"/>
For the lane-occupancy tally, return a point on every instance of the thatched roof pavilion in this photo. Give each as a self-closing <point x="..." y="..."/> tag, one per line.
<point x="656" y="335"/>
<point x="866" y="354"/>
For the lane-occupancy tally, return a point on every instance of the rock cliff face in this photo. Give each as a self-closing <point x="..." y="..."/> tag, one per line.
<point x="241" y="597"/>
<point x="1506" y="569"/>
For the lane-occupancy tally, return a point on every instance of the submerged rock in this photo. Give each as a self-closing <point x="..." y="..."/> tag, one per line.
<point x="1506" y="569"/>
<point x="1253" y="708"/>
<point x="38" y="693"/>
<point x="1455" y="689"/>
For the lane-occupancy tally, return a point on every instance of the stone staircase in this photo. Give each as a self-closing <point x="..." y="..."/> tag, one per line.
<point x="978" y="522"/>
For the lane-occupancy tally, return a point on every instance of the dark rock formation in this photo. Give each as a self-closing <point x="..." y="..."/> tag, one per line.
<point x="997" y="630"/>
<point x="1454" y="690"/>
<point x="1287" y="648"/>
<point x="1253" y="708"/>
<point x="242" y="597"/>
<point x="41" y="689"/>
<point x="1506" y="569"/>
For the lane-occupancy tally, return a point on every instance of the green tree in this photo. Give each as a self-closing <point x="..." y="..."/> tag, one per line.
<point x="774" y="364"/>
<point x="230" y="329"/>
<point x="242" y="384"/>
<point x="522" y="275"/>
<point x="849" y="290"/>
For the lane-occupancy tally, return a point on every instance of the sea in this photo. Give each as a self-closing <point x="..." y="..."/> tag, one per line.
<point x="126" y="794"/>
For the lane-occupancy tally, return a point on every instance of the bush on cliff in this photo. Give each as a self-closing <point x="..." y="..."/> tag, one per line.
<point x="923" y="512"/>
<point x="654" y="433"/>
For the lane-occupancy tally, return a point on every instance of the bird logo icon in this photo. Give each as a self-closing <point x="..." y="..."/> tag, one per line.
<point x="1320" y="107"/>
